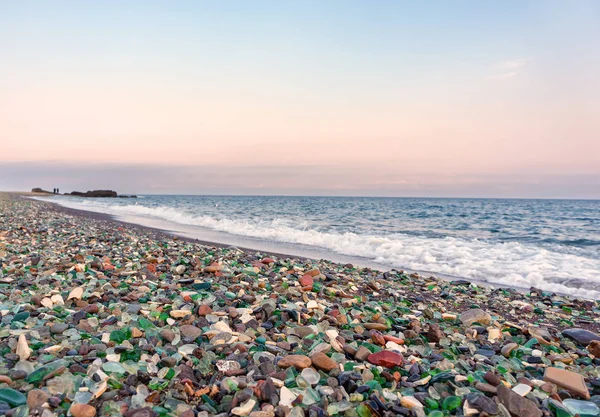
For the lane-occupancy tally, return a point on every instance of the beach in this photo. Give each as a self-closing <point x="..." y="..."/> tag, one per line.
<point x="103" y="317"/>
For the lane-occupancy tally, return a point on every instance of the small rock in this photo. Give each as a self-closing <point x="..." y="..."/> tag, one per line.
<point x="386" y="358"/>
<point x="82" y="410"/>
<point x="518" y="406"/>
<point x="568" y="380"/>
<point x="36" y="398"/>
<point x="190" y="332"/>
<point x="594" y="348"/>
<point x="297" y="361"/>
<point x="475" y="315"/>
<point x="58" y="328"/>
<point x="244" y="409"/>
<point x="581" y="336"/>
<point x="323" y="362"/>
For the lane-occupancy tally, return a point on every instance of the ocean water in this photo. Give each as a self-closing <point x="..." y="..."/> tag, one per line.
<point x="549" y="244"/>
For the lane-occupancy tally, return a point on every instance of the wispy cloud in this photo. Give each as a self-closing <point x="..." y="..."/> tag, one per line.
<point x="514" y="64"/>
<point x="508" y="69"/>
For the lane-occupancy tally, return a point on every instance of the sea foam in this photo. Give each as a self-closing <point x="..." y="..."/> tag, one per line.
<point x="504" y="263"/>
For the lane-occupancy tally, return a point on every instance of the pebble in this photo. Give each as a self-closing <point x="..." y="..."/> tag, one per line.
<point x="297" y="361"/>
<point x="323" y="362"/>
<point x="59" y="328"/>
<point x="82" y="410"/>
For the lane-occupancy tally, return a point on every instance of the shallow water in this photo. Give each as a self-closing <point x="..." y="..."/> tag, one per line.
<point x="550" y="244"/>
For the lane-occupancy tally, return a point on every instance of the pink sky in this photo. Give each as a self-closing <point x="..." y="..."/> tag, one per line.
<point x="401" y="112"/>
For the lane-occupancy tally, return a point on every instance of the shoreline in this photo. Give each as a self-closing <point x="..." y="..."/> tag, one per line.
<point x="357" y="261"/>
<point x="157" y="233"/>
<point x="82" y="293"/>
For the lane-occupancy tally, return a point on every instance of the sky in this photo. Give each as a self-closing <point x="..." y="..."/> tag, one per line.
<point x="392" y="98"/>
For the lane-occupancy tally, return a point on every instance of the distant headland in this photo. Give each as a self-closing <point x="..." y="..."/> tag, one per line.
<point x="91" y="194"/>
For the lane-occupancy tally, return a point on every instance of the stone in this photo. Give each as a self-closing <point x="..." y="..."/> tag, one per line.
<point x="204" y="310"/>
<point x="306" y="281"/>
<point x="362" y="353"/>
<point x="386" y="359"/>
<point x="481" y="403"/>
<point x="58" y="328"/>
<point x="581" y="336"/>
<point x="179" y="314"/>
<point x="410" y="402"/>
<point x="213" y="268"/>
<point x="303" y="331"/>
<point x="168" y="335"/>
<point x="297" y="361"/>
<point x="492" y="378"/>
<point x="36" y="398"/>
<point x="141" y="412"/>
<point x="508" y="348"/>
<point x="487" y="388"/>
<point x="323" y="362"/>
<point x="75" y="294"/>
<point x="542" y="335"/>
<point x="475" y="315"/>
<point x="518" y="406"/>
<point x="594" y="348"/>
<point x="375" y="326"/>
<point x="244" y="409"/>
<point x="434" y="333"/>
<point x="23" y="350"/>
<point x="572" y="382"/>
<point x="190" y="332"/>
<point x="82" y="410"/>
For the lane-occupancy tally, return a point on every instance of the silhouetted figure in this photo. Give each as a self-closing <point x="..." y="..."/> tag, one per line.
<point x="58" y="191"/>
<point x="54" y="191"/>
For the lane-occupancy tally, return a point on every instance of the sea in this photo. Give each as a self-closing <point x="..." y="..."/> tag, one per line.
<point x="553" y="245"/>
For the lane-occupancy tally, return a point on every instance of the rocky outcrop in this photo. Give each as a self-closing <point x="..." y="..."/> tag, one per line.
<point x="39" y="190"/>
<point x="96" y="193"/>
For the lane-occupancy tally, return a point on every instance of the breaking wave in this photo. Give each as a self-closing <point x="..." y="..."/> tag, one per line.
<point x="511" y="263"/>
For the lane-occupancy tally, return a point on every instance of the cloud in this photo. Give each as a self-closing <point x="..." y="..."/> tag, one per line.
<point x="514" y="64"/>
<point x="508" y="69"/>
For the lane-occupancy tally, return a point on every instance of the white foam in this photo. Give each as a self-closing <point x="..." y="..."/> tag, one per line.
<point x="509" y="264"/>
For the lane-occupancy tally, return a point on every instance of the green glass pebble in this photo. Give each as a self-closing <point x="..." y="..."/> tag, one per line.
<point x="38" y="375"/>
<point x="531" y="343"/>
<point x="145" y="324"/>
<point x="374" y="385"/>
<point x="558" y="409"/>
<point x="22" y="316"/>
<point x="363" y="411"/>
<point x="202" y="286"/>
<point x="158" y="384"/>
<point x="435" y="413"/>
<point x="113" y="367"/>
<point x="12" y="397"/>
<point x="349" y="366"/>
<point x="261" y="340"/>
<point x="451" y="403"/>
<point x="582" y="408"/>
<point x="431" y="403"/>
<point x="119" y="336"/>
